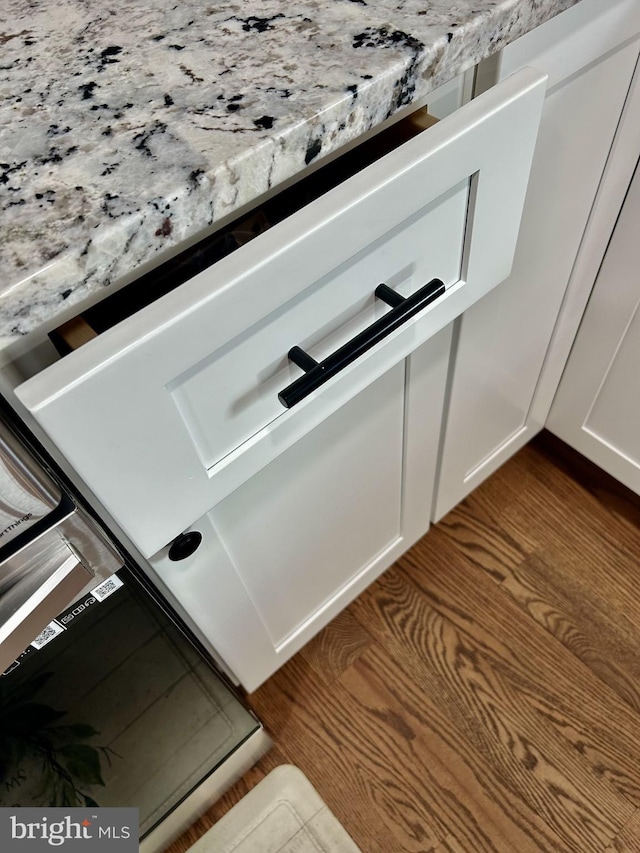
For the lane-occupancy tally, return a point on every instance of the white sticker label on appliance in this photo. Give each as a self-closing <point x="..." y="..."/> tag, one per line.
<point x="52" y="630"/>
<point x="106" y="588"/>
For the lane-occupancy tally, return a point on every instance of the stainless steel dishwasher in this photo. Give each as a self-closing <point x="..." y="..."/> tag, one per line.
<point x="105" y="697"/>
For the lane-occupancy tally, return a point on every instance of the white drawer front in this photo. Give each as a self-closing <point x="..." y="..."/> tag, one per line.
<point x="171" y="410"/>
<point x="232" y="393"/>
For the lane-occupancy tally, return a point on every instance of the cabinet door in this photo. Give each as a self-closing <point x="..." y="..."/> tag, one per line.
<point x="503" y="339"/>
<point x="171" y="410"/>
<point x="597" y="407"/>
<point x="287" y="550"/>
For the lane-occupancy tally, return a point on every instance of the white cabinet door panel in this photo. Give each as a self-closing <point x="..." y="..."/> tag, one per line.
<point x="159" y="465"/>
<point x="597" y="407"/>
<point x="313" y="519"/>
<point x="614" y="418"/>
<point x="284" y="553"/>
<point x="503" y="339"/>
<point x="572" y="41"/>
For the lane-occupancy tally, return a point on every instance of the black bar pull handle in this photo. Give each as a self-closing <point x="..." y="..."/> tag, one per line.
<point x="318" y="372"/>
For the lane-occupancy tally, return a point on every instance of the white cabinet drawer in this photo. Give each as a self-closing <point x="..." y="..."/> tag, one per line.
<point x="230" y="395"/>
<point x="171" y="410"/>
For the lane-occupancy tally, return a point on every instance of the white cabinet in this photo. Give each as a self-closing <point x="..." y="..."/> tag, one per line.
<point x="298" y="508"/>
<point x="173" y="419"/>
<point x="590" y="53"/>
<point x="597" y="407"/>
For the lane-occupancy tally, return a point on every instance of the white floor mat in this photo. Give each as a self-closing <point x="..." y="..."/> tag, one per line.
<point x="282" y="814"/>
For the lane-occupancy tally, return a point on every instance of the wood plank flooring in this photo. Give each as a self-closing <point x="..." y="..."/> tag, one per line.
<point x="484" y="694"/>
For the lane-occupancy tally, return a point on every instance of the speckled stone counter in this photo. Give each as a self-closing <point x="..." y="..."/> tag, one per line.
<point x="127" y="127"/>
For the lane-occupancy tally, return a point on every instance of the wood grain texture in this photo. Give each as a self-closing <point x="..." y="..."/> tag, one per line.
<point x="579" y="615"/>
<point x="618" y="499"/>
<point x="481" y="696"/>
<point x="463" y="790"/>
<point x="480" y="538"/>
<point x="579" y="578"/>
<point x="482" y="704"/>
<point x="598" y="723"/>
<point x="337" y="647"/>
<point x="345" y="752"/>
<point x="448" y="845"/>
<point x="628" y="841"/>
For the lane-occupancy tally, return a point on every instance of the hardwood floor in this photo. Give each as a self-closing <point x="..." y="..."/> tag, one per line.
<point x="484" y="694"/>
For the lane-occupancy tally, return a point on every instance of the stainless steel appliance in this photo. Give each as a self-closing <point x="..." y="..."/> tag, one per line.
<point x="105" y="697"/>
<point x="50" y="549"/>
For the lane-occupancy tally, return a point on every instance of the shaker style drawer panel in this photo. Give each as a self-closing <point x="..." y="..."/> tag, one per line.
<point x="231" y="394"/>
<point x="169" y="411"/>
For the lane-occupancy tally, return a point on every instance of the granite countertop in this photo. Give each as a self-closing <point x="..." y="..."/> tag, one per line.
<point x="128" y="127"/>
